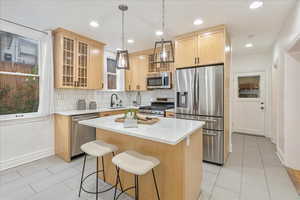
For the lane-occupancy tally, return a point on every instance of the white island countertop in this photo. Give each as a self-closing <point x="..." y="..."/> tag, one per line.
<point x="167" y="130"/>
<point x="87" y="111"/>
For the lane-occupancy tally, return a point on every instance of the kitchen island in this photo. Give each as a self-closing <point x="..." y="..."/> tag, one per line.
<point x="177" y="143"/>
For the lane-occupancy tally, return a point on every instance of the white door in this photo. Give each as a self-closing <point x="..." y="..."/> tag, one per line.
<point x="249" y="103"/>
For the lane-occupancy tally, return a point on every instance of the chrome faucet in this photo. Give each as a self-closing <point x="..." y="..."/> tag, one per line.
<point x="112" y="103"/>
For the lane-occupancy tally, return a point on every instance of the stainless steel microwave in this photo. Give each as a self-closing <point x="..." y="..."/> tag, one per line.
<point x="162" y="80"/>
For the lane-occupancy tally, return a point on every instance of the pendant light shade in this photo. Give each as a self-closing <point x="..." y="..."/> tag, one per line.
<point x="163" y="52"/>
<point x="163" y="49"/>
<point x="122" y="57"/>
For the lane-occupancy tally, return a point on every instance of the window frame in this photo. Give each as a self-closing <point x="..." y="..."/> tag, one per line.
<point x="111" y="73"/>
<point x="30" y="114"/>
<point x="120" y="74"/>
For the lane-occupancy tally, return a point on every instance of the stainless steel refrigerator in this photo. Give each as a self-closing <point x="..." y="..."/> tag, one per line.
<point x="200" y="96"/>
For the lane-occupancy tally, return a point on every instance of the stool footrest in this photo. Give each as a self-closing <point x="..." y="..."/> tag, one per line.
<point x="125" y="190"/>
<point x="82" y="187"/>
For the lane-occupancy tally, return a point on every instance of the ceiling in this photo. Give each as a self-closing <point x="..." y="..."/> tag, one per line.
<point x="144" y="18"/>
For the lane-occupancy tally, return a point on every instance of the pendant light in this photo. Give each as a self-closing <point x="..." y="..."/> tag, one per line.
<point x="163" y="50"/>
<point x="122" y="55"/>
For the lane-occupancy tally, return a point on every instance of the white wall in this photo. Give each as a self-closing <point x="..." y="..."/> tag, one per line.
<point x="25" y="140"/>
<point x="254" y="62"/>
<point x="287" y="102"/>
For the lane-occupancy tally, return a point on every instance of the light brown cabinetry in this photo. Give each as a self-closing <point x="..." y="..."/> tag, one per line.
<point x="200" y="48"/>
<point x="78" y="61"/>
<point x="141" y="64"/>
<point x="110" y="113"/>
<point x="136" y="76"/>
<point x="170" y="114"/>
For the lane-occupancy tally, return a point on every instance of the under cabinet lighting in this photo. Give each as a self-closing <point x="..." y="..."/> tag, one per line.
<point x="256" y="4"/>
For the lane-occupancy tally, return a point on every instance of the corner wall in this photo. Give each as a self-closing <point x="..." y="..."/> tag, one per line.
<point x="287" y="81"/>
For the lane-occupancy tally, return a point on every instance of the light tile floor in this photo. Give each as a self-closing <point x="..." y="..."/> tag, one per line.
<point x="252" y="172"/>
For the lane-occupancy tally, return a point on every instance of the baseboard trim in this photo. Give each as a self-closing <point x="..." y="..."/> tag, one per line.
<point x="26" y="158"/>
<point x="280" y="156"/>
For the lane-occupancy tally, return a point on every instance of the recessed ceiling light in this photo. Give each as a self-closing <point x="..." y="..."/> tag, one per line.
<point x="256" y="4"/>
<point x="130" y="41"/>
<point x="249" y="45"/>
<point x="159" y="33"/>
<point x="142" y="57"/>
<point x="94" y="24"/>
<point x="198" y="22"/>
<point x="227" y="49"/>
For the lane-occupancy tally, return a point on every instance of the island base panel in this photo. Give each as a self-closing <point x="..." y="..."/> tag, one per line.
<point x="179" y="174"/>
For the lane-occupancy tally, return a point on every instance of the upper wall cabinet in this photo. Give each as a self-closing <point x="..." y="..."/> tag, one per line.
<point x="78" y="61"/>
<point x="137" y="74"/>
<point x="200" y="48"/>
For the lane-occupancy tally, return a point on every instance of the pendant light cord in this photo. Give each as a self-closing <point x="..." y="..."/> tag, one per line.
<point x="123" y="32"/>
<point x="163" y="16"/>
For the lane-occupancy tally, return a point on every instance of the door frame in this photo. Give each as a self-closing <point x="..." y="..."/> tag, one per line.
<point x="234" y="97"/>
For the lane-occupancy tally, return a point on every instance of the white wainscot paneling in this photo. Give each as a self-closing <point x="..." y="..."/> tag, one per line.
<point x="25" y="140"/>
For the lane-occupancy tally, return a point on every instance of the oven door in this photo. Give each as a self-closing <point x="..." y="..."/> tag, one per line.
<point x="155" y="82"/>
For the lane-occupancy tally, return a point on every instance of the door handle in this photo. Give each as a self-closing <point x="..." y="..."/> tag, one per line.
<point x="208" y="120"/>
<point x="209" y="134"/>
<point x="262" y="108"/>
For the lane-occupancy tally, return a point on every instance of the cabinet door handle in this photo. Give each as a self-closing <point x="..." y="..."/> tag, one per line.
<point x="198" y="60"/>
<point x="102" y="85"/>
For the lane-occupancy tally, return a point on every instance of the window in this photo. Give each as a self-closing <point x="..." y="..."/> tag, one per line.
<point x="111" y="74"/>
<point x="19" y="74"/>
<point x="249" y="86"/>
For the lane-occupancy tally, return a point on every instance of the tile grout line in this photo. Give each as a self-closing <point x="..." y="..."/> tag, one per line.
<point x="32" y="188"/>
<point x="49" y="171"/>
<point x="214" y="185"/>
<point x="268" y="185"/>
<point x="242" y="170"/>
<point x="19" y="173"/>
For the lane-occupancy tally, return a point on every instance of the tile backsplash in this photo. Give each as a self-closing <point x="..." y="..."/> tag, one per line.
<point x="66" y="99"/>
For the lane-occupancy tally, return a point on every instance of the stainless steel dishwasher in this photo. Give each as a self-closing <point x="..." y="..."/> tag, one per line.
<point x="81" y="134"/>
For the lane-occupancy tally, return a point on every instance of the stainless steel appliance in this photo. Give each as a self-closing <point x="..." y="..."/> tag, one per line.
<point x="161" y="80"/>
<point x="81" y="134"/>
<point x="200" y="96"/>
<point x="158" y="107"/>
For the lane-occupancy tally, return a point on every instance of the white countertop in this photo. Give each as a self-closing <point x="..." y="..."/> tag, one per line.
<point x="167" y="130"/>
<point x="81" y="112"/>
<point x="171" y="110"/>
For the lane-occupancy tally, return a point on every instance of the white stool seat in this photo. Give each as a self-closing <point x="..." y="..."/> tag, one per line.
<point x="98" y="148"/>
<point x="134" y="162"/>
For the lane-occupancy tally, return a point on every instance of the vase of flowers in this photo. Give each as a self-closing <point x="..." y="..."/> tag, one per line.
<point x="131" y="120"/>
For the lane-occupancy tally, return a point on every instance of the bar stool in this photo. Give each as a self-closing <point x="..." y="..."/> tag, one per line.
<point x="96" y="149"/>
<point x="136" y="164"/>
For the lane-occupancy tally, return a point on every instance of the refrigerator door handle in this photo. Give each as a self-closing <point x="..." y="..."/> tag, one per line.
<point x="210" y="134"/>
<point x="209" y="120"/>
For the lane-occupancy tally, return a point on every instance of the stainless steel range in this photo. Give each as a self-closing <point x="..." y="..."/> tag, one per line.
<point x="158" y="107"/>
